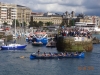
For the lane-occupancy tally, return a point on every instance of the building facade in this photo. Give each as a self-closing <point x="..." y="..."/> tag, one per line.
<point x="23" y="14"/>
<point x="37" y="14"/>
<point x="67" y="17"/>
<point x="9" y="12"/>
<point x="55" y="19"/>
<point x="91" y="19"/>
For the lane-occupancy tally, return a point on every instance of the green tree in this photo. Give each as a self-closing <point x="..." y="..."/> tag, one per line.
<point x="31" y="24"/>
<point x="40" y="24"/>
<point x="24" y="24"/>
<point x="17" y="23"/>
<point x="72" y="22"/>
<point x="48" y="23"/>
<point x="35" y="24"/>
<point x="5" y="23"/>
<point x="62" y="24"/>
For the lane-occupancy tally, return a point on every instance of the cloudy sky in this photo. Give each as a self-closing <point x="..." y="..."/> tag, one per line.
<point x="88" y="7"/>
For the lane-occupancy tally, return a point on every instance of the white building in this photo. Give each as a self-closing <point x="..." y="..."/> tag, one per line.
<point x="8" y="13"/>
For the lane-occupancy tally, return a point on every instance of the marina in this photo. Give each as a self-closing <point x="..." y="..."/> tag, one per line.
<point x="52" y="37"/>
<point x="24" y="61"/>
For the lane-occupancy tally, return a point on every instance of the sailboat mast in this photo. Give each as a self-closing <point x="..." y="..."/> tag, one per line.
<point x="15" y="26"/>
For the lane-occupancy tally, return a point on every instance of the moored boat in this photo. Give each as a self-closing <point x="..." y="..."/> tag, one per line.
<point x="51" y="44"/>
<point x="56" y="55"/>
<point x="13" y="47"/>
<point x="37" y="43"/>
<point x="38" y="37"/>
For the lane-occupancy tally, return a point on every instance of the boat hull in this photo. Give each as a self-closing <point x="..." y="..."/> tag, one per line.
<point x="13" y="47"/>
<point x="81" y="55"/>
<point x="43" y="40"/>
<point x="28" y="40"/>
<point x="50" y="46"/>
<point x="37" y="44"/>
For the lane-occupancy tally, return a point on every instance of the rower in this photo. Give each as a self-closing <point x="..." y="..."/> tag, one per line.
<point x="38" y="51"/>
<point x="44" y="54"/>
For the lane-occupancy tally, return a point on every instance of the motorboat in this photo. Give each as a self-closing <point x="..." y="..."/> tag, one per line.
<point x="13" y="47"/>
<point x="56" y="55"/>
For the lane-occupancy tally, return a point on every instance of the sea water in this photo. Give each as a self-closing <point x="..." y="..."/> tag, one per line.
<point x="12" y="64"/>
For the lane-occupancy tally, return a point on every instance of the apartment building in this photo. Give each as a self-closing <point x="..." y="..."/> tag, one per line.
<point x="23" y="14"/>
<point x="9" y="12"/>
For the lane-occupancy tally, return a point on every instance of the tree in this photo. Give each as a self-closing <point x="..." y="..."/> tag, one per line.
<point x="17" y="23"/>
<point x="62" y="24"/>
<point x="35" y="24"/>
<point x="24" y="24"/>
<point x="5" y="23"/>
<point x="48" y="23"/>
<point x="31" y="24"/>
<point x="40" y="24"/>
<point x="72" y="22"/>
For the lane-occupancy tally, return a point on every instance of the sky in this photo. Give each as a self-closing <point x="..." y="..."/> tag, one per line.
<point x="87" y="7"/>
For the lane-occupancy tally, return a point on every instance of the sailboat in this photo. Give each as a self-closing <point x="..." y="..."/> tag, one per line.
<point x="14" y="46"/>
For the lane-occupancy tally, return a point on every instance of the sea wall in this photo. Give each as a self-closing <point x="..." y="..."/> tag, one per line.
<point x="72" y="44"/>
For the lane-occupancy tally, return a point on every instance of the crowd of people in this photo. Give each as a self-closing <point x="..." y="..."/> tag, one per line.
<point x="75" y="32"/>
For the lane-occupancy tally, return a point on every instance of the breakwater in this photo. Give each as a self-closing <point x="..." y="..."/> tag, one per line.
<point x="70" y="44"/>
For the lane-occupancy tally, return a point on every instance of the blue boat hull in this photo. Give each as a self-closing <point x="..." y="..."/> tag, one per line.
<point x="81" y="55"/>
<point x="28" y="40"/>
<point x="43" y="40"/>
<point x="13" y="48"/>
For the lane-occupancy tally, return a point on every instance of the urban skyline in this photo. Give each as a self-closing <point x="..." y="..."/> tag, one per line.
<point x="88" y="7"/>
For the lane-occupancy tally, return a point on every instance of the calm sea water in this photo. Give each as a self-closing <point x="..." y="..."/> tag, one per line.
<point x="12" y="64"/>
